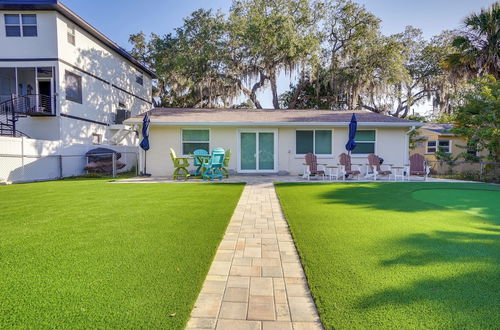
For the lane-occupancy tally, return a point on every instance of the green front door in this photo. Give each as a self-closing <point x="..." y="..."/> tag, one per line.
<point x="257" y="151"/>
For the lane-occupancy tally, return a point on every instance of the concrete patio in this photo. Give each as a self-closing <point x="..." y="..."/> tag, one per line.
<point x="261" y="178"/>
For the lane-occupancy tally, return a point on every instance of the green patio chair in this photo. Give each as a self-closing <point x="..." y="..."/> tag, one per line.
<point x="180" y="166"/>
<point x="213" y="169"/>
<point x="227" y="158"/>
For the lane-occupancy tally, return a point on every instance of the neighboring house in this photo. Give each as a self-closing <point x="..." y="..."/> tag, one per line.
<point x="273" y="141"/>
<point x="66" y="80"/>
<point x="431" y="137"/>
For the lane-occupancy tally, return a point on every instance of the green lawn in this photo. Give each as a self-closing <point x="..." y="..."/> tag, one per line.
<point x="399" y="255"/>
<point x="90" y="254"/>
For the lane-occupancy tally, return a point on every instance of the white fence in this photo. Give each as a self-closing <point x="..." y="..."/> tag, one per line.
<point x="25" y="160"/>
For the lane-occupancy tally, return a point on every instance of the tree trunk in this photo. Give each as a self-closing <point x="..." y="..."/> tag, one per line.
<point x="251" y="94"/>
<point x="255" y="88"/>
<point x="296" y="93"/>
<point x="274" y="89"/>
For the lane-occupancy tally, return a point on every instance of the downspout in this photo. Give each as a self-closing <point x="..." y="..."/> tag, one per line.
<point x="407" y="145"/>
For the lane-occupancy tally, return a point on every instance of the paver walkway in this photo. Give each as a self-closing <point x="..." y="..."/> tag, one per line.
<point x="256" y="280"/>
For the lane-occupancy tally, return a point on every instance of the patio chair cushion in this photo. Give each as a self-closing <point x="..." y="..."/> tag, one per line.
<point x="384" y="172"/>
<point x="354" y="172"/>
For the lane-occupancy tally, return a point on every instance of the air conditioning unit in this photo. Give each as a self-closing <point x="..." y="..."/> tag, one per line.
<point x="121" y="116"/>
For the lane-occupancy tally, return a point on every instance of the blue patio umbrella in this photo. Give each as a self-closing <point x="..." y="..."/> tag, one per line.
<point x="145" y="140"/>
<point x="351" y="143"/>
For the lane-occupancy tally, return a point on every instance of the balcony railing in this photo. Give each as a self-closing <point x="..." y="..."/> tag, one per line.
<point x="33" y="105"/>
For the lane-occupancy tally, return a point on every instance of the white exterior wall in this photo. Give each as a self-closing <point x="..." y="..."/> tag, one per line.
<point x="100" y="97"/>
<point x="390" y="145"/>
<point x="43" y="128"/>
<point x="42" y="46"/>
<point x="104" y="68"/>
<point x="90" y="55"/>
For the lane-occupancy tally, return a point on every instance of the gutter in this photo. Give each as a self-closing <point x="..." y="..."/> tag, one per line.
<point x="275" y="124"/>
<point x="407" y="144"/>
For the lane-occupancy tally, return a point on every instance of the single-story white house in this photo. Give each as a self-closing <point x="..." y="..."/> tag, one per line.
<point x="272" y="141"/>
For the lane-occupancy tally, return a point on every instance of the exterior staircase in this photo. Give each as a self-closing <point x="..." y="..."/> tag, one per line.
<point x="8" y="119"/>
<point x="22" y="106"/>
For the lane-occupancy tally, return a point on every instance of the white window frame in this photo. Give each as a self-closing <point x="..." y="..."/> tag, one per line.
<point x="436" y="147"/>
<point x="71" y="33"/>
<point x="98" y="137"/>
<point x="78" y="101"/>
<point x="449" y="145"/>
<point x="476" y="152"/>
<point x="139" y="76"/>
<point x="427" y="147"/>
<point x="195" y="129"/>
<point x="353" y="155"/>
<point x="21" y="25"/>
<point x="324" y="156"/>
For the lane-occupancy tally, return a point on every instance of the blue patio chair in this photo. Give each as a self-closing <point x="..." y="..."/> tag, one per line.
<point x="213" y="168"/>
<point x="198" y="161"/>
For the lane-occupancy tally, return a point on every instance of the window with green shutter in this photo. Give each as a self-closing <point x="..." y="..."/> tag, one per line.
<point x="193" y="139"/>
<point x="304" y="142"/>
<point x="365" y="142"/>
<point x="318" y="142"/>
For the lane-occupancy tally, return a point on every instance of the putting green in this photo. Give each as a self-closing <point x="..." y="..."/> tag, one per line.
<point x="482" y="203"/>
<point x="399" y="255"/>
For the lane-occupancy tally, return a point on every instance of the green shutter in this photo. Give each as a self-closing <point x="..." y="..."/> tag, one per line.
<point x="195" y="135"/>
<point x="323" y="142"/>
<point x="189" y="148"/>
<point x="304" y="142"/>
<point x="364" y="148"/>
<point x="365" y="135"/>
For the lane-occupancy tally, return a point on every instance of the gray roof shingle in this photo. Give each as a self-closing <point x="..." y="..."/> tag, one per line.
<point x="259" y="117"/>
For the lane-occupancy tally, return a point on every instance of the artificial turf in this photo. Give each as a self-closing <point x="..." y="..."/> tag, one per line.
<point x="399" y="255"/>
<point x="91" y="254"/>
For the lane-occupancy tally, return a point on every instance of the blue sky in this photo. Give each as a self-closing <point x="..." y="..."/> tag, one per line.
<point x="118" y="18"/>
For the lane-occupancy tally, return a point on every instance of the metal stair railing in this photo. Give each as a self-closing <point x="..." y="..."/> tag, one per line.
<point x="8" y="119"/>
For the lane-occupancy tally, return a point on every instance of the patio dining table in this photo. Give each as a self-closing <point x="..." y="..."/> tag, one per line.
<point x="201" y="159"/>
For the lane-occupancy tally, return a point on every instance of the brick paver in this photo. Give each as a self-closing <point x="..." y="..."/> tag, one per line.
<point x="256" y="280"/>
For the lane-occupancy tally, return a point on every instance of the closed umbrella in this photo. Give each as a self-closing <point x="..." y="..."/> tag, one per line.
<point x="145" y="141"/>
<point x="351" y="143"/>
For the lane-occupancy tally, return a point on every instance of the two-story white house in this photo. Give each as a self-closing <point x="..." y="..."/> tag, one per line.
<point x="67" y="81"/>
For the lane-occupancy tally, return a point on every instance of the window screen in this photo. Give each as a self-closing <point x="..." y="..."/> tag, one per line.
<point x="193" y="139"/>
<point x="71" y="34"/>
<point x="12" y="25"/>
<point x="315" y="141"/>
<point x="73" y="87"/>
<point x="323" y="142"/>
<point x="20" y="25"/>
<point x="365" y="142"/>
<point x="431" y="146"/>
<point x="304" y="142"/>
